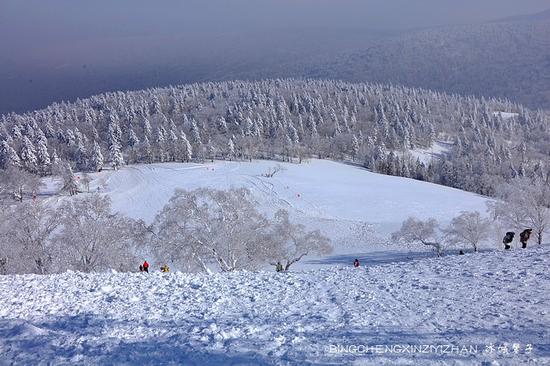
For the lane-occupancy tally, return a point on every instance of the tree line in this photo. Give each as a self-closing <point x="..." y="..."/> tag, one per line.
<point x="377" y="126"/>
<point x="197" y="231"/>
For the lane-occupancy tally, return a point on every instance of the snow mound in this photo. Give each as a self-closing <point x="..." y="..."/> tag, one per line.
<point x="495" y="304"/>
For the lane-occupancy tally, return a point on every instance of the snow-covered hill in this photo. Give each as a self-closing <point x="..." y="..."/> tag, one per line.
<point x="493" y="304"/>
<point x="357" y="209"/>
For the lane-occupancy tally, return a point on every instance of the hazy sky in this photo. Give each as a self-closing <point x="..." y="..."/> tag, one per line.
<point x="56" y="49"/>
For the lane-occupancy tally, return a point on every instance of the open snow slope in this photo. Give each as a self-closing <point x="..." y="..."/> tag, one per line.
<point x="357" y="209"/>
<point x="495" y="304"/>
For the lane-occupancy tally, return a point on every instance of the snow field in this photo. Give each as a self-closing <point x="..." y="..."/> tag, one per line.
<point x="357" y="209"/>
<point x="246" y="318"/>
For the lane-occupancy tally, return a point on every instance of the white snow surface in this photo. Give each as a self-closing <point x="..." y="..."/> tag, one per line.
<point x="506" y="115"/>
<point x="357" y="209"/>
<point x="497" y="299"/>
<point x="436" y="151"/>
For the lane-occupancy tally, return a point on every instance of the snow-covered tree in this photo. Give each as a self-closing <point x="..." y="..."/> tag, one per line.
<point x="354" y="147"/>
<point x="19" y="181"/>
<point x="207" y="229"/>
<point x="231" y="148"/>
<point x="97" y="158"/>
<point x="8" y="156"/>
<point x="43" y="156"/>
<point x="290" y="243"/>
<point x="28" y="155"/>
<point x="93" y="239"/>
<point x="31" y="225"/>
<point x="186" y="149"/>
<point x="115" y="155"/>
<point x="525" y="204"/>
<point x="414" y="231"/>
<point x="64" y="170"/>
<point x="468" y="228"/>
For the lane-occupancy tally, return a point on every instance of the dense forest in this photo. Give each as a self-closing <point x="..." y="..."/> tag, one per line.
<point x="377" y="126"/>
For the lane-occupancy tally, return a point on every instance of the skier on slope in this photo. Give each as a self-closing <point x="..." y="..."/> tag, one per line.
<point x="165" y="269"/>
<point x="279" y="267"/>
<point x="145" y="267"/>
<point x="356" y="263"/>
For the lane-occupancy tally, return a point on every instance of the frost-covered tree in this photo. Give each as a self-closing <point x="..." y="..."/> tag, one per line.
<point x="468" y="228"/>
<point x="414" y="231"/>
<point x="525" y="204"/>
<point x="28" y="155"/>
<point x="8" y="156"/>
<point x="186" y="149"/>
<point x="43" y="156"/>
<point x="290" y="243"/>
<point x="30" y="230"/>
<point x="161" y="144"/>
<point x="211" y="150"/>
<point x="209" y="229"/>
<point x="19" y="182"/>
<point x="115" y="155"/>
<point x="81" y="155"/>
<point x="92" y="238"/>
<point x="133" y="144"/>
<point x="85" y="181"/>
<point x="97" y="158"/>
<point x="354" y="147"/>
<point x="63" y="169"/>
<point x="146" y="151"/>
<point x="231" y="148"/>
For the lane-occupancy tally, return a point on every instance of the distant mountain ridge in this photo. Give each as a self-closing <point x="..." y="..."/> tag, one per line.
<point x="543" y="15"/>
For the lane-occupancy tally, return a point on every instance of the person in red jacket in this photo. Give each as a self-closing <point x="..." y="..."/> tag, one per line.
<point x="145" y="267"/>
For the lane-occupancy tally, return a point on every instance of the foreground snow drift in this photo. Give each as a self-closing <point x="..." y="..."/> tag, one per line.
<point x="476" y="301"/>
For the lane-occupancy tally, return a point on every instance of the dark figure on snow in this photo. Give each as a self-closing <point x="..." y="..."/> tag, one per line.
<point x="356" y="263"/>
<point x="461" y="252"/>
<point x="141" y="267"/>
<point x="508" y="238"/>
<point x="165" y="269"/>
<point x="279" y="267"/>
<point x="524" y="237"/>
<point x="145" y="267"/>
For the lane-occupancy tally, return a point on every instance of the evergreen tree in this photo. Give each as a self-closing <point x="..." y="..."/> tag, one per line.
<point x="187" y="150"/>
<point x="28" y="155"/>
<point x="231" y="148"/>
<point x="97" y="158"/>
<point x="42" y="155"/>
<point x="8" y="156"/>
<point x="354" y="147"/>
<point x="115" y="155"/>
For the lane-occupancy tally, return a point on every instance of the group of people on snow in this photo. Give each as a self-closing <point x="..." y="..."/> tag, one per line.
<point x="145" y="268"/>
<point x="523" y="238"/>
